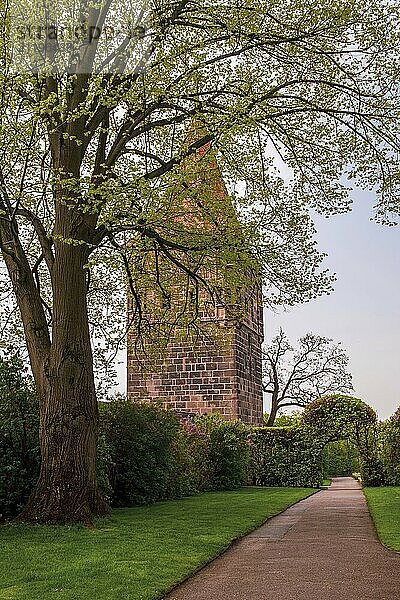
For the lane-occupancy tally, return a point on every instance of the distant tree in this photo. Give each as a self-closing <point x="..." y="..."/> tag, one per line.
<point x="296" y="377"/>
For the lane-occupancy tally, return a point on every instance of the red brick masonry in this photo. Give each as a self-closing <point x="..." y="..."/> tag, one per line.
<point x="223" y="375"/>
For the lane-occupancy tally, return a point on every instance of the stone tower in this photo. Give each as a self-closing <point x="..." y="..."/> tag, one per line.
<point x="218" y="373"/>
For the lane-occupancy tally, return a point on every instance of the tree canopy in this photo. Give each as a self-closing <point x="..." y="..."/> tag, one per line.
<point x="313" y="88"/>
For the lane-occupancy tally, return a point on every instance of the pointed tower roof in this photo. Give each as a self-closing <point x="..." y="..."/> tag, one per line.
<point x="199" y="189"/>
<point x="203" y="161"/>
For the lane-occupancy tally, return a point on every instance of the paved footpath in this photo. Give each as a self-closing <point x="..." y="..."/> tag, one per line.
<point x="323" y="548"/>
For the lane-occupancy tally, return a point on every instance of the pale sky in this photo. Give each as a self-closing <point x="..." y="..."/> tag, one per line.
<point x="363" y="311"/>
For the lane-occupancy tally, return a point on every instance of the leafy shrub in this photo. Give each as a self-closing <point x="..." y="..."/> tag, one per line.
<point x="228" y="452"/>
<point x="140" y="438"/>
<point x="286" y="456"/>
<point x="337" y="417"/>
<point x="371" y="468"/>
<point x="19" y="439"/>
<point x="340" y="459"/>
<point x="190" y="468"/>
<point x="372" y="473"/>
<point x="153" y="456"/>
<point x="104" y="467"/>
<point x="389" y="449"/>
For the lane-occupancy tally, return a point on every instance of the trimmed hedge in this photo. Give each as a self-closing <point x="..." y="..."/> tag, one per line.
<point x="19" y="437"/>
<point x="337" y="417"/>
<point x="154" y="456"/>
<point x="286" y="456"/>
<point x="139" y="439"/>
<point x="228" y="456"/>
<point x="389" y="449"/>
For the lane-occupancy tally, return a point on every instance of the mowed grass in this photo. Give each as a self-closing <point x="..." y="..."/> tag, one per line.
<point x="384" y="506"/>
<point x="138" y="553"/>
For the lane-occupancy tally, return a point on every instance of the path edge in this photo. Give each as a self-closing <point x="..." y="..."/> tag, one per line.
<point x="233" y="543"/>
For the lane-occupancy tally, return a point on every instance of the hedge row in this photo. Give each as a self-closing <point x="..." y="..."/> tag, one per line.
<point x="144" y="453"/>
<point x="147" y="454"/>
<point x="286" y="456"/>
<point x="389" y="449"/>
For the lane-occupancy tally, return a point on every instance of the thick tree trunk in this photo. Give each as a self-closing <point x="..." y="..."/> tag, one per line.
<point x="62" y="362"/>
<point x="66" y="490"/>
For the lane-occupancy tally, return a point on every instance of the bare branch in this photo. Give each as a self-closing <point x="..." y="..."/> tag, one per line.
<point x="317" y="368"/>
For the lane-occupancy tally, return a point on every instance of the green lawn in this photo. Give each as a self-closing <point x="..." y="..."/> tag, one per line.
<point x="384" y="506"/>
<point x="138" y="553"/>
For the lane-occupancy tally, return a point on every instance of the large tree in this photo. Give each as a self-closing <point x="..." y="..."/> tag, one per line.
<point x="93" y="134"/>
<point x="296" y="377"/>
